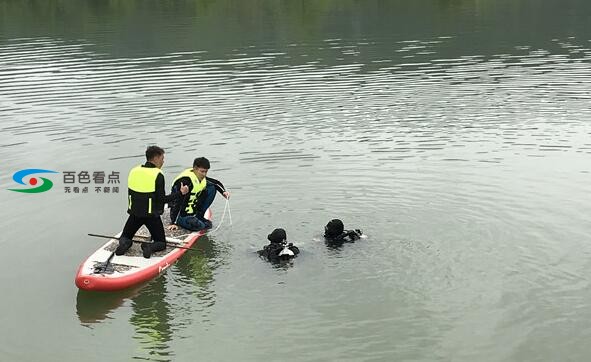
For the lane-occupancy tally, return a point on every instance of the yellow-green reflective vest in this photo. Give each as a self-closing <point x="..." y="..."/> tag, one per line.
<point x="195" y="190"/>
<point x="141" y="190"/>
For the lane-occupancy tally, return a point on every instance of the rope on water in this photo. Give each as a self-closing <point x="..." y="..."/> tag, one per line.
<point x="226" y="208"/>
<point x="229" y="212"/>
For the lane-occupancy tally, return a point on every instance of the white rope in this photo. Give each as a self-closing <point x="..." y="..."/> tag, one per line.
<point x="226" y="207"/>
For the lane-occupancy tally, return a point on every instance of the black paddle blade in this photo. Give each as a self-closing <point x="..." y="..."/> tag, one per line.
<point x="103" y="268"/>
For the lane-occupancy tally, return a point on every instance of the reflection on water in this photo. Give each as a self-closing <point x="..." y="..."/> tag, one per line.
<point x="95" y="307"/>
<point x="435" y="106"/>
<point x="192" y="281"/>
<point x="152" y="321"/>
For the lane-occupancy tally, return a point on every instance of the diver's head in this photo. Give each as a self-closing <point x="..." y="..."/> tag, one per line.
<point x="277" y="236"/>
<point x="334" y="228"/>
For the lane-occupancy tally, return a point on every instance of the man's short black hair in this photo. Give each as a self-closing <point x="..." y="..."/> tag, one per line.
<point x="153" y="151"/>
<point x="201" y="162"/>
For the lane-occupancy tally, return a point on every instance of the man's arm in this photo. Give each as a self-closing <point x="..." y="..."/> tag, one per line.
<point x="219" y="186"/>
<point x="177" y="204"/>
<point x="160" y="194"/>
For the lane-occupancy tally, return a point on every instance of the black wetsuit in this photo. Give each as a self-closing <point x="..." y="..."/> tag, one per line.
<point x="347" y="236"/>
<point x="271" y="252"/>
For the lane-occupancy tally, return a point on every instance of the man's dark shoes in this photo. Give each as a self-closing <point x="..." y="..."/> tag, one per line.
<point x="124" y="245"/>
<point x="146" y="250"/>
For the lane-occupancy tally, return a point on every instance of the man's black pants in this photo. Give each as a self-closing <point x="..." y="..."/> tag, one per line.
<point x="154" y="225"/>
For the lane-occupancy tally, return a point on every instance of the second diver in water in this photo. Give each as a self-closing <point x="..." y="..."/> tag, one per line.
<point x="336" y="235"/>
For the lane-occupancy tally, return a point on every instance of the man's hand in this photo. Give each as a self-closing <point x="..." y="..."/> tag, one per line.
<point x="226" y="194"/>
<point x="184" y="189"/>
<point x="172" y="227"/>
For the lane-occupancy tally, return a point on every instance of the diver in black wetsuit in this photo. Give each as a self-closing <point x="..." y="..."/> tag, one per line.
<point x="278" y="249"/>
<point x="336" y="235"/>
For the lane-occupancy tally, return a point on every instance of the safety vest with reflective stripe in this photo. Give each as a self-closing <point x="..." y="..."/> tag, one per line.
<point x="198" y="186"/>
<point x="141" y="187"/>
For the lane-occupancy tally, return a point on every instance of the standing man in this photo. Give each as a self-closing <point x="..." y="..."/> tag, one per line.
<point x="145" y="203"/>
<point x="189" y="211"/>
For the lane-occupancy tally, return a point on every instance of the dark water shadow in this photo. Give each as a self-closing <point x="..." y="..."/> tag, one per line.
<point x="151" y="318"/>
<point x="167" y="306"/>
<point x="193" y="277"/>
<point x="94" y="307"/>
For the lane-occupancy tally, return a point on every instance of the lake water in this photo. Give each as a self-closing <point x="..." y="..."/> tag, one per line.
<point x="455" y="134"/>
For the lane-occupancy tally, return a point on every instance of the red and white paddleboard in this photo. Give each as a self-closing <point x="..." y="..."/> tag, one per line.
<point x="125" y="271"/>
